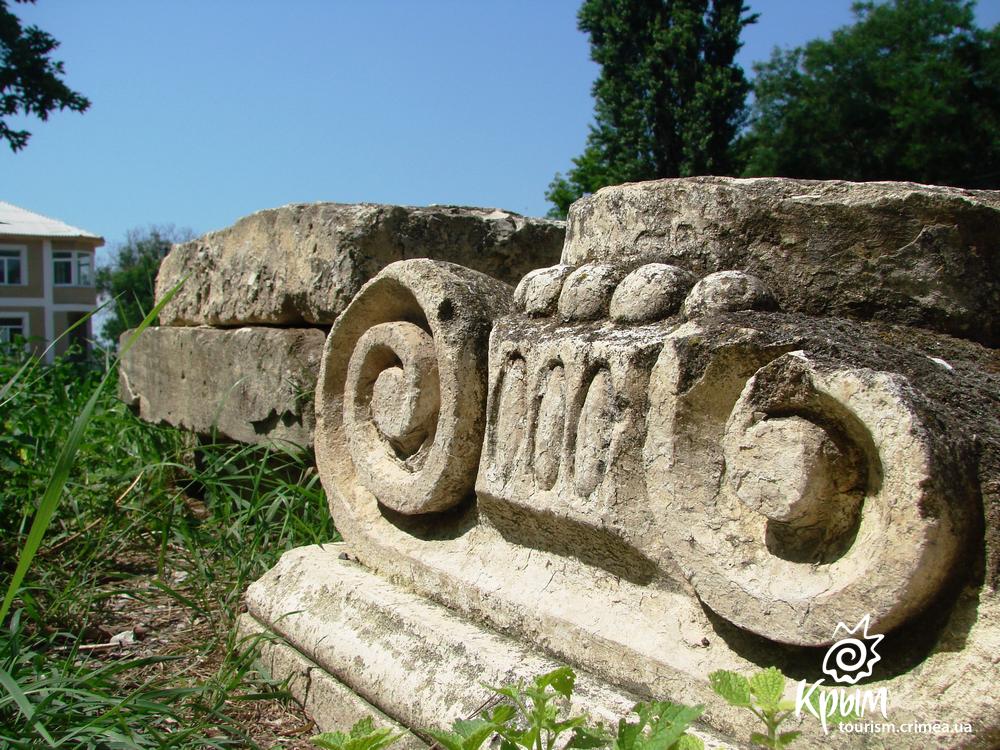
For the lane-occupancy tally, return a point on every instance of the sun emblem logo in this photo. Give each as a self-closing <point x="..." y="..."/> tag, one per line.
<point x="853" y="657"/>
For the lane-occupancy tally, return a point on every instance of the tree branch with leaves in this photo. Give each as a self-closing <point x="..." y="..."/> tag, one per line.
<point x="30" y="80"/>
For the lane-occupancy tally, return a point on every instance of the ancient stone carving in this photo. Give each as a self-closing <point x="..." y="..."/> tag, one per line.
<point x="655" y="469"/>
<point x="820" y="494"/>
<point x="890" y="251"/>
<point x="406" y="404"/>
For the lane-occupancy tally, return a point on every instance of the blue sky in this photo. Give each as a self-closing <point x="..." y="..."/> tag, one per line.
<point x="207" y="110"/>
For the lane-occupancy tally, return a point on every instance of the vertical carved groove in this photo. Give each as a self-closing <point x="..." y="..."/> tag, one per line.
<point x="593" y="434"/>
<point x="551" y="423"/>
<point x="512" y="415"/>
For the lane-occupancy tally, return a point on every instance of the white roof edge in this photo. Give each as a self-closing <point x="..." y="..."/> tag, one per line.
<point x="21" y="222"/>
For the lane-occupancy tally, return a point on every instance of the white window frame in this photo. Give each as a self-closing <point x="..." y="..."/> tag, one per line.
<point x="75" y="256"/>
<point x="22" y="251"/>
<point x="25" y="323"/>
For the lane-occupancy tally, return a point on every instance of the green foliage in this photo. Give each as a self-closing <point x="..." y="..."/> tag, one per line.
<point x="130" y="279"/>
<point x="30" y="80"/>
<point x="129" y="491"/>
<point x="762" y="695"/>
<point x="63" y="464"/>
<point x="53" y="699"/>
<point x="362" y="736"/>
<point x="661" y="726"/>
<point x="531" y="719"/>
<point x="911" y="91"/>
<point x="669" y="99"/>
<point x="532" y="722"/>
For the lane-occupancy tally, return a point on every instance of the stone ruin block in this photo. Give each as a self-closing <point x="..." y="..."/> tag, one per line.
<point x="651" y="464"/>
<point x="243" y="384"/>
<point x="894" y="252"/>
<point x="301" y="264"/>
<point x="238" y="352"/>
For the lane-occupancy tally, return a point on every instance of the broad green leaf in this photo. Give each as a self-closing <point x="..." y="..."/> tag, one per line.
<point x="447" y="740"/>
<point x="562" y="680"/>
<point x="735" y="688"/>
<point x="362" y="727"/>
<point x="474" y="732"/>
<point x="329" y="740"/>
<point x="666" y="721"/>
<point x="671" y="724"/>
<point x="628" y="733"/>
<point x="562" y="726"/>
<point x="761" y="740"/>
<point x="374" y="740"/>
<point x="501" y="714"/>
<point x="768" y="687"/>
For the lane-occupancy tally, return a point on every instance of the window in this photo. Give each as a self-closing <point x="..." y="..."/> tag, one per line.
<point x="12" y="267"/>
<point x="12" y="326"/>
<point x="72" y="268"/>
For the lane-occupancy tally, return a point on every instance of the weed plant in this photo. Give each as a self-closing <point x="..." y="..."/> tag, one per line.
<point x="138" y="512"/>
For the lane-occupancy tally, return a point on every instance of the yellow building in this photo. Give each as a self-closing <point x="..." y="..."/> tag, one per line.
<point x="46" y="279"/>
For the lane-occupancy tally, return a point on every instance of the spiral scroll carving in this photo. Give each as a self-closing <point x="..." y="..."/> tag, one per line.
<point x="815" y="496"/>
<point x="392" y="380"/>
<point x="402" y="388"/>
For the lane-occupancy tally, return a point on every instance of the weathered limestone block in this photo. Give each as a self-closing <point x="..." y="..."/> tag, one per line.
<point x="303" y="263"/>
<point x="329" y="702"/>
<point x="425" y="665"/>
<point x="889" y="251"/>
<point x="674" y="452"/>
<point x="246" y="384"/>
<point x="656" y="501"/>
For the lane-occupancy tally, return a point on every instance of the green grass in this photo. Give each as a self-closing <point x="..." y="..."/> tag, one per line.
<point x="143" y="514"/>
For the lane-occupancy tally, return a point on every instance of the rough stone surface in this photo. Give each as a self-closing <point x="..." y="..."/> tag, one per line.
<point x="247" y="384"/>
<point x="653" y="491"/>
<point x="303" y="263"/>
<point x="538" y="292"/>
<point x="424" y="665"/>
<point x="328" y="702"/>
<point x="651" y="292"/>
<point x="422" y="325"/>
<point x="894" y="252"/>
<point x="613" y="479"/>
<point x="727" y="291"/>
<point x="586" y="293"/>
<point x="789" y="578"/>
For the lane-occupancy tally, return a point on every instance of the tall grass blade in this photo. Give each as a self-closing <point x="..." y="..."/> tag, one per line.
<point x="57" y="481"/>
<point x="11" y="686"/>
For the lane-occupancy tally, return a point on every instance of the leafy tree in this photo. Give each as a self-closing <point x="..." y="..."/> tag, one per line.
<point x="911" y="91"/>
<point x="669" y="99"/>
<point x="130" y="279"/>
<point x="30" y="80"/>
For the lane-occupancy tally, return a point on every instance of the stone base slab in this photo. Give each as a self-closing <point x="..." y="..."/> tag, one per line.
<point x="328" y="702"/>
<point x="250" y="384"/>
<point x="339" y="627"/>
